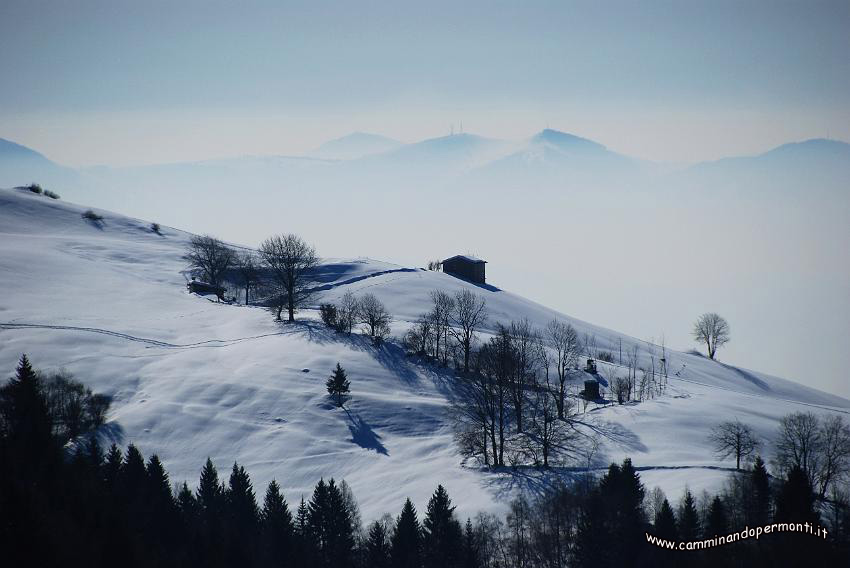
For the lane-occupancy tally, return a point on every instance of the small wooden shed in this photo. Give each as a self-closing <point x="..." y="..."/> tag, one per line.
<point x="466" y="266"/>
<point x="591" y="389"/>
<point x="205" y="288"/>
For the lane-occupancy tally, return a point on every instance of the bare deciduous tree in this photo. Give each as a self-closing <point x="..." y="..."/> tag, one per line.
<point x="564" y="341"/>
<point x="820" y="448"/>
<point x="835" y="450"/>
<point x="346" y="312"/>
<point x="712" y="330"/>
<point x="549" y="439"/>
<point x="249" y="270"/>
<point x="420" y="337"/>
<point x="289" y="261"/>
<point x="798" y="443"/>
<point x="210" y="257"/>
<point x="734" y="438"/>
<point x="525" y="357"/>
<point x="374" y="317"/>
<point x="620" y="389"/>
<point x="439" y="316"/>
<point x="469" y="313"/>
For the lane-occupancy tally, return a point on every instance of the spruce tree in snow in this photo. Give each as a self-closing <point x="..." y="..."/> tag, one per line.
<point x="665" y="528"/>
<point x="760" y="483"/>
<point x="717" y="523"/>
<point x="25" y="419"/>
<point x="241" y="518"/>
<point x="442" y="536"/>
<point x="303" y="550"/>
<point x="187" y="504"/>
<point x="112" y="466"/>
<point x="795" y="503"/>
<point x="406" y="545"/>
<point x="329" y="525"/>
<point x="338" y="385"/>
<point x="377" y="546"/>
<point x="241" y="500"/>
<point x="210" y="492"/>
<point x="689" y="525"/>
<point x="470" y="547"/>
<point x="665" y="522"/>
<point x="277" y="527"/>
<point x="340" y="528"/>
<point x="133" y="476"/>
<point x="159" y="489"/>
<point x="795" y="500"/>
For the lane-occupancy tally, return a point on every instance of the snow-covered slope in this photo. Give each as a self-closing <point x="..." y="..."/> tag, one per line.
<point x="193" y="378"/>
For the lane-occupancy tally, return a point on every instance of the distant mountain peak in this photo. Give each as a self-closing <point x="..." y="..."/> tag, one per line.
<point x="355" y="145"/>
<point x="565" y="140"/>
<point x="13" y="150"/>
<point x="825" y="145"/>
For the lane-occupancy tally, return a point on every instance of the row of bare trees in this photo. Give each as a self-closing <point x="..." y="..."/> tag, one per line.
<point x="819" y="447"/>
<point x="367" y="310"/>
<point x="450" y="328"/>
<point x="513" y="406"/>
<point x="280" y="268"/>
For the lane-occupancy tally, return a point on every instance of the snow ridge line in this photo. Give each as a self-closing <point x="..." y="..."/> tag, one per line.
<point x="151" y="342"/>
<point x="333" y="285"/>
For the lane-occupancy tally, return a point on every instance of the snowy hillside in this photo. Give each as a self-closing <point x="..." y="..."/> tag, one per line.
<point x="192" y="378"/>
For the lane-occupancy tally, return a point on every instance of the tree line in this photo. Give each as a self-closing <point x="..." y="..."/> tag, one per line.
<point x="84" y="506"/>
<point x="278" y="271"/>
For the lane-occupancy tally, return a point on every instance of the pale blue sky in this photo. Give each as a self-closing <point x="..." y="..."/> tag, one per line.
<point x="118" y="82"/>
<point x="123" y="82"/>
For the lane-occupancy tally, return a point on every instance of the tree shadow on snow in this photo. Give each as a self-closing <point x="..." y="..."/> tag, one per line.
<point x="389" y="354"/>
<point x="507" y="482"/>
<point x="616" y="434"/>
<point x="363" y="435"/>
<point x="110" y="433"/>
<point x="747" y="376"/>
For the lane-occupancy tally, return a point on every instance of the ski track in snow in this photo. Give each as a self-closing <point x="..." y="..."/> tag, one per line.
<point x="151" y="342"/>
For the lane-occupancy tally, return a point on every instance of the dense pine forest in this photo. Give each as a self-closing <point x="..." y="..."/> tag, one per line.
<point x="67" y="501"/>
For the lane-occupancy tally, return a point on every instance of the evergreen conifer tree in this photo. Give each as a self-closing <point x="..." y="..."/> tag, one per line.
<point x="442" y="536"/>
<point x="210" y="492"/>
<point x="303" y="549"/>
<point x="689" y="524"/>
<point x="405" y="548"/>
<point x="795" y="501"/>
<point x="26" y="421"/>
<point x="377" y="547"/>
<point x="241" y="517"/>
<point x="470" y="547"/>
<point x="159" y="487"/>
<point x="339" y="533"/>
<point x="133" y="477"/>
<point x="665" y="528"/>
<point x="338" y="385"/>
<point x="241" y="501"/>
<point x="717" y="522"/>
<point x="112" y="466"/>
<point x="187" y="504"/>
<point x="665" y="523"/>
<point x="277" y="527"/>
<point x="317" y="520"/>
<point x="760" y="497"/>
